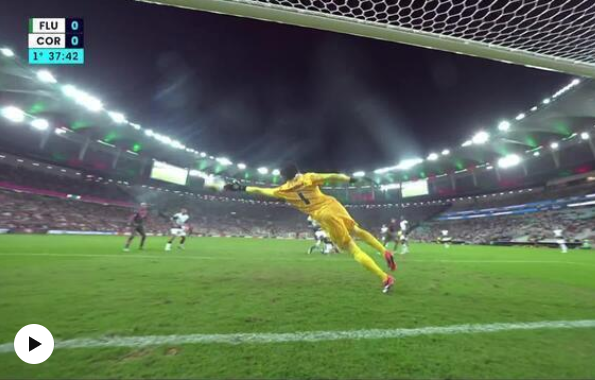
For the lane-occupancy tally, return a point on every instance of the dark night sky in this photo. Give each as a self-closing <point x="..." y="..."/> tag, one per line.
<point x="264" y="92"/>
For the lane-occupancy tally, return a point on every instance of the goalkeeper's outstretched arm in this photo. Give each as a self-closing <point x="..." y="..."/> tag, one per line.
<point x="266" y="191"/>
<point x="236" y="186"/>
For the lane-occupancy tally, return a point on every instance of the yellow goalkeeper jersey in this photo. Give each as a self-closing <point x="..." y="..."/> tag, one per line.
<point x="303" y="192"/>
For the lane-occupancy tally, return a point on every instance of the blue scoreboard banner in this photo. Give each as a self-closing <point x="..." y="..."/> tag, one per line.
<point x="56" y="41"/>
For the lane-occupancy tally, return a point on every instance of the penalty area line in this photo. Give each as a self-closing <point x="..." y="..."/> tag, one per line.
<point x="308" y="336"/>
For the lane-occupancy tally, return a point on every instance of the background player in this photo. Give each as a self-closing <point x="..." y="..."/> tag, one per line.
<point x="384" y="234"/>
<point x="444" y="239"/>
<point x="403" y="236"/>
<point x="393" y="233"/>
<point x="137" y="223"/>
<point x="302" y="191"/>
<point x="323" y="243"/>
<point x="179" y="229"/>
<point x="560" y="240"/>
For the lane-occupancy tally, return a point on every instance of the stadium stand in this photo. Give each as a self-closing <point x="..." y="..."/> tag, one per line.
<point x="538" y="227"/>
<point x="50" y="202"/>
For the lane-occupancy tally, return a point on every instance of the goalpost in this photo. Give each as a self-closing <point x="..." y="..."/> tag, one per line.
<point x="554" y="35"/>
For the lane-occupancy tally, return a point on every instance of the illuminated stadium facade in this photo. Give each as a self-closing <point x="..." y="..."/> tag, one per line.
<point x="60" y="124"/>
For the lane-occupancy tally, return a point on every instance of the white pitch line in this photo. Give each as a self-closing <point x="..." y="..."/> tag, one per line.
<point x="185" y="256"/>
<point x="308" y="336"/>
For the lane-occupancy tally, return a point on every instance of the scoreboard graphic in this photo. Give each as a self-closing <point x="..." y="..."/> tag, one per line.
<point x="56" y="41"/>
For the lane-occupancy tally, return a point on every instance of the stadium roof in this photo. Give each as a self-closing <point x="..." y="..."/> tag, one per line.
<point x="560" y="121"/>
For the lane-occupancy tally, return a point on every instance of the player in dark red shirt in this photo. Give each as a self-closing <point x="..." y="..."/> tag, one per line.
<point x="137" y="222"/>
<point x="393" y="233"/>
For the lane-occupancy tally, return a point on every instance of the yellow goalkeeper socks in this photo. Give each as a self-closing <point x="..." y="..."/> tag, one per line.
<point x="361" y="257"/>
<point x="370" y="240"/>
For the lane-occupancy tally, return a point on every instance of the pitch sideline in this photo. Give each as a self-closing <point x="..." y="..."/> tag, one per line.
<point x="308" y="336"/>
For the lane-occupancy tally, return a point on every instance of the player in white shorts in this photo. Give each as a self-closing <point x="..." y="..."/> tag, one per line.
<point x="384" y="234"/>
<point x="323" y="243"/>
<point x="403" y="239"/>
<point x="179" y="229"/>
<point x="445" y="239"/>
<point x="559" y="234"/>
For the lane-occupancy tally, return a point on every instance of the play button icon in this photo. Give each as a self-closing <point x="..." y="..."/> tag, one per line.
<point x="34" y="344"/>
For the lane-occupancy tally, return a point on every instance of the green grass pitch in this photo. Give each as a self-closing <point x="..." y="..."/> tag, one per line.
<point x="86" y="287"/>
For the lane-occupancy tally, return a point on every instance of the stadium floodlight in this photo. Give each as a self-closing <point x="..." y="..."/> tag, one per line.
<point x="467" y="143"/>
<point x="585" y="135"/>
<point x="224" y="161"/>
<point x="359" y="174"/>
<point x="149" y="132"/>
<point x="433" y="156"/>
<point x="82" y="98"/>
<point x="504" y="126"/>
<point x="90" y="102"/>
<point x="117" y="117"/>
<point x="575" y="82"/>
<point x="40" y="124"/>
<point x="242" y="166"/>
<point x="276" y="172"/>
<point x="481" y="138"/>
<point x="446" y="152"/>
<point x="509" y="161"/>
<point x="135" y="126"/>
<point x="263" y="170"/>
<point x="13" y="114"/>
<point x="69" y="90"/>
<point x="203" y="154"/>
<point x="520" y="116"/>
<point x="60" y="131"/>
<point x="536" y="153"/>
<point x="534" y="108"/>
<point x="554" y="145"/>
<point x="7" y="52"/>
<point x="177" y="145"/>
<point x="546" y="101"/>
<point x="46" y="77"/>
<point x="409" y="163"/>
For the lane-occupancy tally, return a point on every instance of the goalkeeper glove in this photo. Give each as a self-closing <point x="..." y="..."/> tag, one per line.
<point x="234" y="186"/>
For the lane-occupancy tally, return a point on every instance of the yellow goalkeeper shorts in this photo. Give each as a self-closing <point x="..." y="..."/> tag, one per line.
<point x="337" y="222"/>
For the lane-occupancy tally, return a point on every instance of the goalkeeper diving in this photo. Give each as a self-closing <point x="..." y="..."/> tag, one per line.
<point x="303" y="192"/>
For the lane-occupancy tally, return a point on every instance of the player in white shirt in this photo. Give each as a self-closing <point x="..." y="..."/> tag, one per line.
<point x="384" y="234"/>
<point x="559" y="234"/>
<point x="445" y="239"/>
<point x="179" y="229"/>
<point x="403" y="239"/>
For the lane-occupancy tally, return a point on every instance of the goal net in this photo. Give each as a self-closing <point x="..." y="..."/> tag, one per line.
<point x="549" y="34"/>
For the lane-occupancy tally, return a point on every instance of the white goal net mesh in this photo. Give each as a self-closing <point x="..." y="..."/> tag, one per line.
<point x="554" y="34"/>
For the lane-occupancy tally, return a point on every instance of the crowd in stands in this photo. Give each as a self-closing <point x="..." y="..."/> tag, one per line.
<point x="26" y="212"/>
<point x="55" y="181"/>
<point x="576" y="224"/>
<point x="29" y="212"/>
<point x="219" y="215"/>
